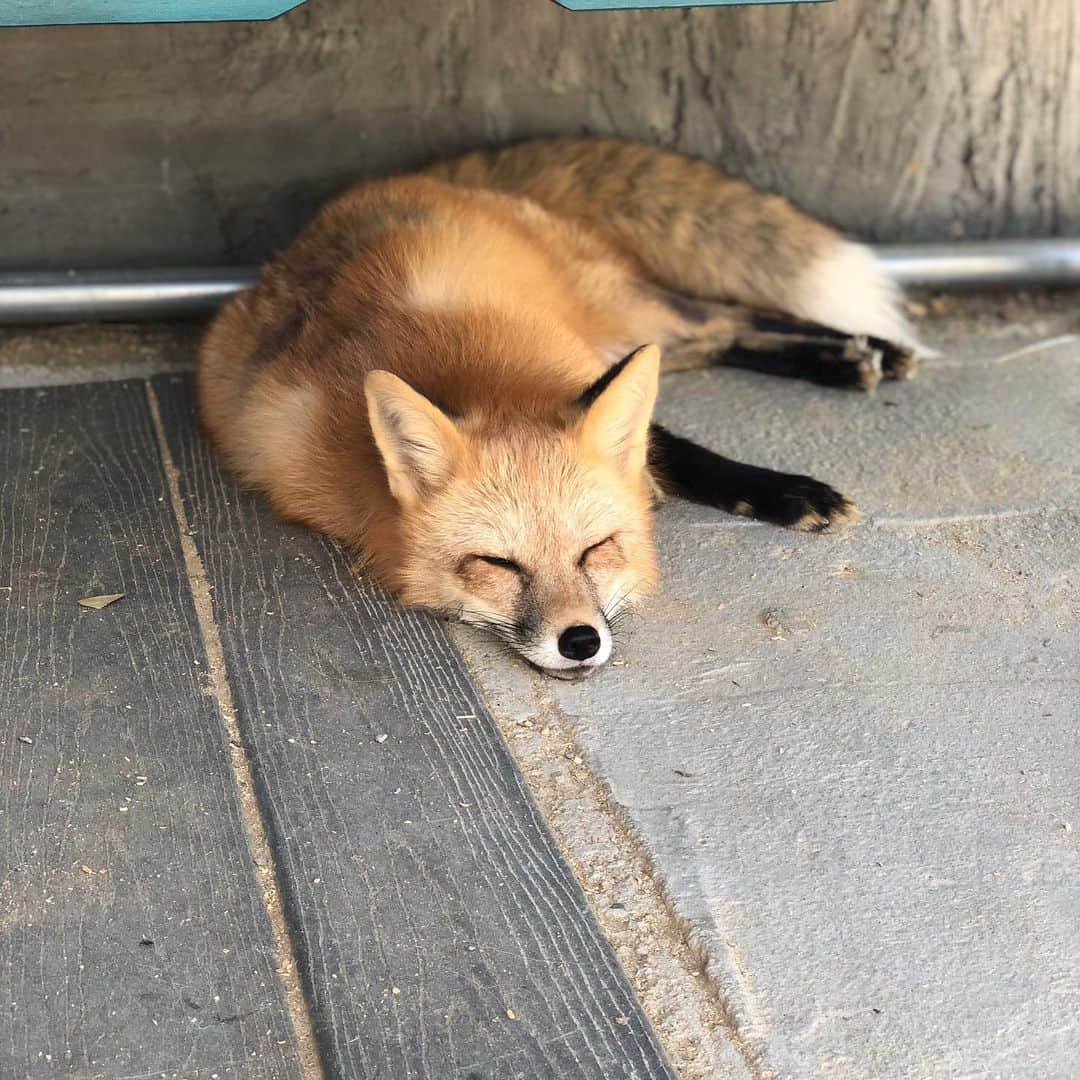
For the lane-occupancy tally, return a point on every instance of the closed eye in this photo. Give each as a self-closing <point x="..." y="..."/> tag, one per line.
<point x="595" y="547"/>
<point x="497" y="560"/>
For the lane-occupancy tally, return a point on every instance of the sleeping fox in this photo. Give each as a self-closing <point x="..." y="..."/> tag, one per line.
<point x="454" y="374"/>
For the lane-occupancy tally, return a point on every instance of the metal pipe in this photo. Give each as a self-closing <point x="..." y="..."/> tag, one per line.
<point x="984" y="263"/>
<point x="145" y="295"/>
<point x="118" y="295"/>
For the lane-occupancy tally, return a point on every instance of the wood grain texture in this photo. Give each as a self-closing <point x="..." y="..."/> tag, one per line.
<point x="440" y="932"/>
<point x="897" y="119"/>
<point x="132" y="939"/>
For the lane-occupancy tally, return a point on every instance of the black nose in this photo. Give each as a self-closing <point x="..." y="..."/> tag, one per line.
<point x="579" y="642"/>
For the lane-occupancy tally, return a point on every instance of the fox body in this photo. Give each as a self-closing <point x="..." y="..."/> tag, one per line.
<point x="454" y="373"/>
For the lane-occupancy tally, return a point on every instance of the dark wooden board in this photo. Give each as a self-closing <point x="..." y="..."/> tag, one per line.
<point x="132" y="939"/>
<point x="440" y="933"/>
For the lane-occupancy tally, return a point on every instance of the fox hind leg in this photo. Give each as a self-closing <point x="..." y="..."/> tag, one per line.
<point x="781" y="345"/>
<point x="701" y="333"/>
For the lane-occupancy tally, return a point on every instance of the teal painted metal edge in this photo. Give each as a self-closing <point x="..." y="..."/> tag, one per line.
<point x="100" y="12"/>
<point x="620" y="5"/>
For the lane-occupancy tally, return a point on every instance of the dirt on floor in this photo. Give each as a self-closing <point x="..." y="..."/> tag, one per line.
<point x="90" y="352"/>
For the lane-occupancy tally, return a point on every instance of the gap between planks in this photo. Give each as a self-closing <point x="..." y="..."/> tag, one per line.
<point x="243" y="775"/>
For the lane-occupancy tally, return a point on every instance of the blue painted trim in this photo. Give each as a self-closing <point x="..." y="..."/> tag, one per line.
<point x="79" y="12"/>
<point x="615" y="5"/>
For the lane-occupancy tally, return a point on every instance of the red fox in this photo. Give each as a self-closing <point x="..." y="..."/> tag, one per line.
<point x="454" y="373"/>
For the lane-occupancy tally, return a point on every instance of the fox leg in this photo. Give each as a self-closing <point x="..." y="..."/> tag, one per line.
<point x="797" y="502"/>
<point x="702" y="334"/>
<point x="781" y="345"/>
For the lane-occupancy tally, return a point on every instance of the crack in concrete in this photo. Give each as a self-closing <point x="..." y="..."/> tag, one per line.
<point x="734" y="524"/>
<point x="961" y="519"/>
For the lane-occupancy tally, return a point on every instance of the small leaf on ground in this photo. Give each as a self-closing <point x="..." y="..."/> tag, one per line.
<point x="99" y="602"/>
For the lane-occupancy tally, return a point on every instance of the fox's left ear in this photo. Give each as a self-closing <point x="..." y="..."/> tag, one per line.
<point x="418" y="441"/>
<point x="619" y="408"/>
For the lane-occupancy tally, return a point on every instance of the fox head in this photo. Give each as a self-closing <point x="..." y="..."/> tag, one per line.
<point x="537" y="530"/>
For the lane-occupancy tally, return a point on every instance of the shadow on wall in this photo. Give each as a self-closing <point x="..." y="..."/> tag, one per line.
<point x="135" y="145"/>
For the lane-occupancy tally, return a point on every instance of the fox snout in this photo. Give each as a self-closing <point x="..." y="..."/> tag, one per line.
<point x="570" y="646"/>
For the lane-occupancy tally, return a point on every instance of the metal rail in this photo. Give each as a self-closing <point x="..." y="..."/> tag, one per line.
<point x="118" y="295"/>
<point x="985" y="263"/>
<point x="144" y="295"/>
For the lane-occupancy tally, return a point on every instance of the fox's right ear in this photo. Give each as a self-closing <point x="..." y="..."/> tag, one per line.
<point x="418" y="441"/>
<point x="619" y="409"/>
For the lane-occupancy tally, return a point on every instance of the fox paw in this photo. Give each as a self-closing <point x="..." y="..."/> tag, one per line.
<point x="864" y="362"/>
<point x="783" y="345"/>
<point x="797" y="502"/>
<point x="897" y="361"/>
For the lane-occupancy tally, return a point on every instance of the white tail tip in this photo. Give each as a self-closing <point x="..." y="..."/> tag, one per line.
<point x="848" y="289"/>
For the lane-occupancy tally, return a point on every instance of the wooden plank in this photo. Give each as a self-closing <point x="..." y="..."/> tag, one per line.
<point x="132" y="937"/>
<point x="439" y="931"/>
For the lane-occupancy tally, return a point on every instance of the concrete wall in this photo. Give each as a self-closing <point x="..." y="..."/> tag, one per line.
<point x="894" y="118"/>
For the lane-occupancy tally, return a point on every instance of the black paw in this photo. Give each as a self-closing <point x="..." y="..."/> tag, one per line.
<point x="797" y="502"/>
<point x="863" y="362"/>
<point x="781" y="345"/>
<point x="897" y="361"/>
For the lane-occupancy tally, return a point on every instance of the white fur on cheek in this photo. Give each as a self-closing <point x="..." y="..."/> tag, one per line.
<point x="848" y="289"/>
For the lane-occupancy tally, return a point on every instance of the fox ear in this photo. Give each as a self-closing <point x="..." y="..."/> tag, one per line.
<point x="619" y="408"/>
<point x="418" y="441"/>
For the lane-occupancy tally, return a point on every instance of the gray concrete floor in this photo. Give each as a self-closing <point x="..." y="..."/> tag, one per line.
<point x="825" y="804"/>
<point x="853" y="761"/>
